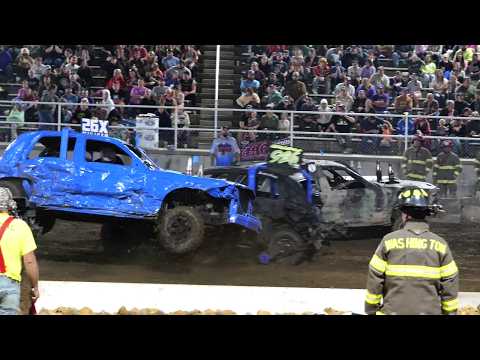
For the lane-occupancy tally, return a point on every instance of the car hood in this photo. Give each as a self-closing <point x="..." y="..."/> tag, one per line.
<point x="400" y="183"/>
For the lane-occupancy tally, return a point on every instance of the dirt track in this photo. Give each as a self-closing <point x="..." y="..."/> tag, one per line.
<point x="72" y="251"/>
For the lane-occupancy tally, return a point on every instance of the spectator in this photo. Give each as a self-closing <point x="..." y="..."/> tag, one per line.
<point x="74" y="84"/>
<point x="38" y="69"/>
<point x="473" y="69"/>
<point x="442" y="128"/>
<point x="446" y="64"/>
<point x="72" y="65"/>
<point x="172" y="81"/>
<point x="342" y="124"/>
<point x="370" y="125"/>
<point x="269" y="121"/>
<point x="178" y="69"/>
<point x="367" y="87"/>
<point x="360" y="104"/>
<point x="107" y="101"/>
<point x="259" y="74"/>
<point x="23" y="90"/>
<point x="322" y="75"/>
<point x="440" y="86"/>
<point x="224" y="150"/>
<point x="396" y="84"/>
<point x="467" y="89"/>
<point x="249" y="82"/>
<point x="117" y="77"/>
<point x="414" y="87"/>
<point x="460" y="103"/>
<point x="46" y="111"/>
<point x="250" y="98"/>
<point x="189" y="88"/>
<point x="465" y="54"/>
<point x="179" y="96"/>
<point x="170" y="101"/>
<point x="367" y="70"/>
<point x="45" y="84"/>
<point x="355" y="73"/>
<point x="403" y="102"/>
<point x="308" y="121"/>
<point x="475" y="105"/>
<point x="191" y="54"/>
<point x="170" y="60"/>
<point x="449" y="110"/>
<point x="132" y="78"/>
<point x="379" y="102"/>
<point x="415" y="65"/>
<point x="110" y="65"/>
<point x="6" y="60"/>
<point x="452" y="87"/>
<point x="159" y="91"/>
<point x="70" y="97"/>
<point x="296" y="88"/>
<point x="164" y="121"/>
<point x="248" y="122"/>
<point x="23" y="63"/>
<point x="137" y="94"/>
<point x="430" y="107"/>
<point x="265" y="65"/>
<point x="410" y="127"/>
<point x="337" y="75"/>
<point x="472" y="127"/>
<point x="457" y="129"/>
<point x="428" y="71"/>
<point x="379" y="78"/>
<point x="119" y="96"/>
<point x="346" y="84"/>
<point x="324" y="120"/>
<point x="54" y="56"/>
<point x="82" y="112"/>
<point x="312" y="59"/>
<point x="273" y="97"/>
<point x="116" y="129"/>
<point x="352" y="54"/>
<point x="84" y="74"/>
<point x="344" y="98"/>
<point x="286" y="104"/>
<point x="183" y="121"/>
<point x="459" y="64"/>
<point x="335" y="54"/>
<point x="401" y="53"/>
<point x="423" y="126"/>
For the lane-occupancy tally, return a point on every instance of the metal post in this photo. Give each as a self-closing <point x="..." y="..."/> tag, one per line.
<point x="291" y="128"/>
<point x="406" y="130"/>
<point x="217" y="75"/>
<point x="175" y="132"/>
<point x="59" y="117"/>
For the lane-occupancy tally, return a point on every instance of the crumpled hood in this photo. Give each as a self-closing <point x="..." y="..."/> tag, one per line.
<point x="400" y="183"/>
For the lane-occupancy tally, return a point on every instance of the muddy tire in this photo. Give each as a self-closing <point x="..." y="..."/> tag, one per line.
<point x="286" y="246"/>
<point x="181" y="230"/>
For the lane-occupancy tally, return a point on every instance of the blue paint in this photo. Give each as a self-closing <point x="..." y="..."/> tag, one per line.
<point x="68" y="182"/>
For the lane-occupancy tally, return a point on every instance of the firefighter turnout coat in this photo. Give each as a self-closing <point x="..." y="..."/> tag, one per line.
<point x="417" y="163"/>
<point x="446" y="169"/>
<point x="412" y="272"/>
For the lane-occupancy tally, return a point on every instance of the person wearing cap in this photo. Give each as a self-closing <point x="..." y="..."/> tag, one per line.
<point x="17" y="246"/>
<point x="417" y="160"/>
<point x="412" y="271"/>
<point x="346" y="84"/>
<point x="446" y="170"/>
<point x="224" y="150"/>
<point x="323" y="120"/>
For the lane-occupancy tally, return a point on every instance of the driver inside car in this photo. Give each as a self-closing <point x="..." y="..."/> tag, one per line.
<point x="108" y="155"/>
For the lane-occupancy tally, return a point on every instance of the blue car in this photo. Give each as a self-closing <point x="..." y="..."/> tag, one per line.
<point x="84" y="177"/>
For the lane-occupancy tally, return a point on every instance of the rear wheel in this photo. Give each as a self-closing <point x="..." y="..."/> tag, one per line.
<point x="286" y="246"/>
<point x="181" y="230"/>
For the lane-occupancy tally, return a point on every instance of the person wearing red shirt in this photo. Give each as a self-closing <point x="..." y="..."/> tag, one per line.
<point x="117" y="78"/>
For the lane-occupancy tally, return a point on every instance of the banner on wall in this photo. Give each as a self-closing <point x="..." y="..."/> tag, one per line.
<point x="258" y="150"/>
<point x="148" y="136"/>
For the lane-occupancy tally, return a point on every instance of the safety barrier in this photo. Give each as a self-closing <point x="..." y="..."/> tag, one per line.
<point x="363" y="143"/>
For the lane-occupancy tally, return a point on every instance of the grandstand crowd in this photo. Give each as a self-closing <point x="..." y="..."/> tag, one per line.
<point x="430" y="80"/>
<point x="152" y="75"/>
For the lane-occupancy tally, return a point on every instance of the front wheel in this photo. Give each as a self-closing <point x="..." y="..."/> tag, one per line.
<point x="181" y="230"/>
<point x="286" y="246"/>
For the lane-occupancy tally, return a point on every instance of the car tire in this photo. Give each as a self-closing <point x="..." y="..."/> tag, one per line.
<point x="181" y="230"/>
<point x="286" y="246"/>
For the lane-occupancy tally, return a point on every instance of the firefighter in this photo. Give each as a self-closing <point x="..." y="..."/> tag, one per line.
<point x="417" y="160"/>
<point x="446" y="170"/>
<point x="412" y="271"/>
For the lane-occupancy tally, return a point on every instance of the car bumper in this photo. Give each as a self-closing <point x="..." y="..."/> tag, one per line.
<point x="246" y="221"/>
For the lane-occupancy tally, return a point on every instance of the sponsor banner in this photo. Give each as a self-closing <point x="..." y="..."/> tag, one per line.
<point x="258" y="150"/>
<point x="95" y="127"/>
<point x="147" y="138"/>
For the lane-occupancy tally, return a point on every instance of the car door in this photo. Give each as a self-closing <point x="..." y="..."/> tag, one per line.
<point x="44" y="163"/>
<point x="115" y="187"/>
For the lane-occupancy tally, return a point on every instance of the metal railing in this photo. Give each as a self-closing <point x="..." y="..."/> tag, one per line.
<point x="292" y="134"/>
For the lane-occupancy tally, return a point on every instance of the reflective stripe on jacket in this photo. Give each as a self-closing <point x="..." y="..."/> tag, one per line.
<point x="447" y="168"/>
<point x="412" y="272"/>
<point x="417" y="163"/>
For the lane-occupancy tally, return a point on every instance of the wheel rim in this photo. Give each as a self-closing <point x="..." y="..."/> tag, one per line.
<point x="283" y="245"/>
<point x="178" y="228"/>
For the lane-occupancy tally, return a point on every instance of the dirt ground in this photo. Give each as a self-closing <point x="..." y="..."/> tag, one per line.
<point x="73" y="252"/>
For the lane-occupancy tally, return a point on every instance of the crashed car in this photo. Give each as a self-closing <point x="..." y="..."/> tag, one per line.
<point x="85" y="177"/>
<point x="354" y="201"/>
<point x="292" y="228"/>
